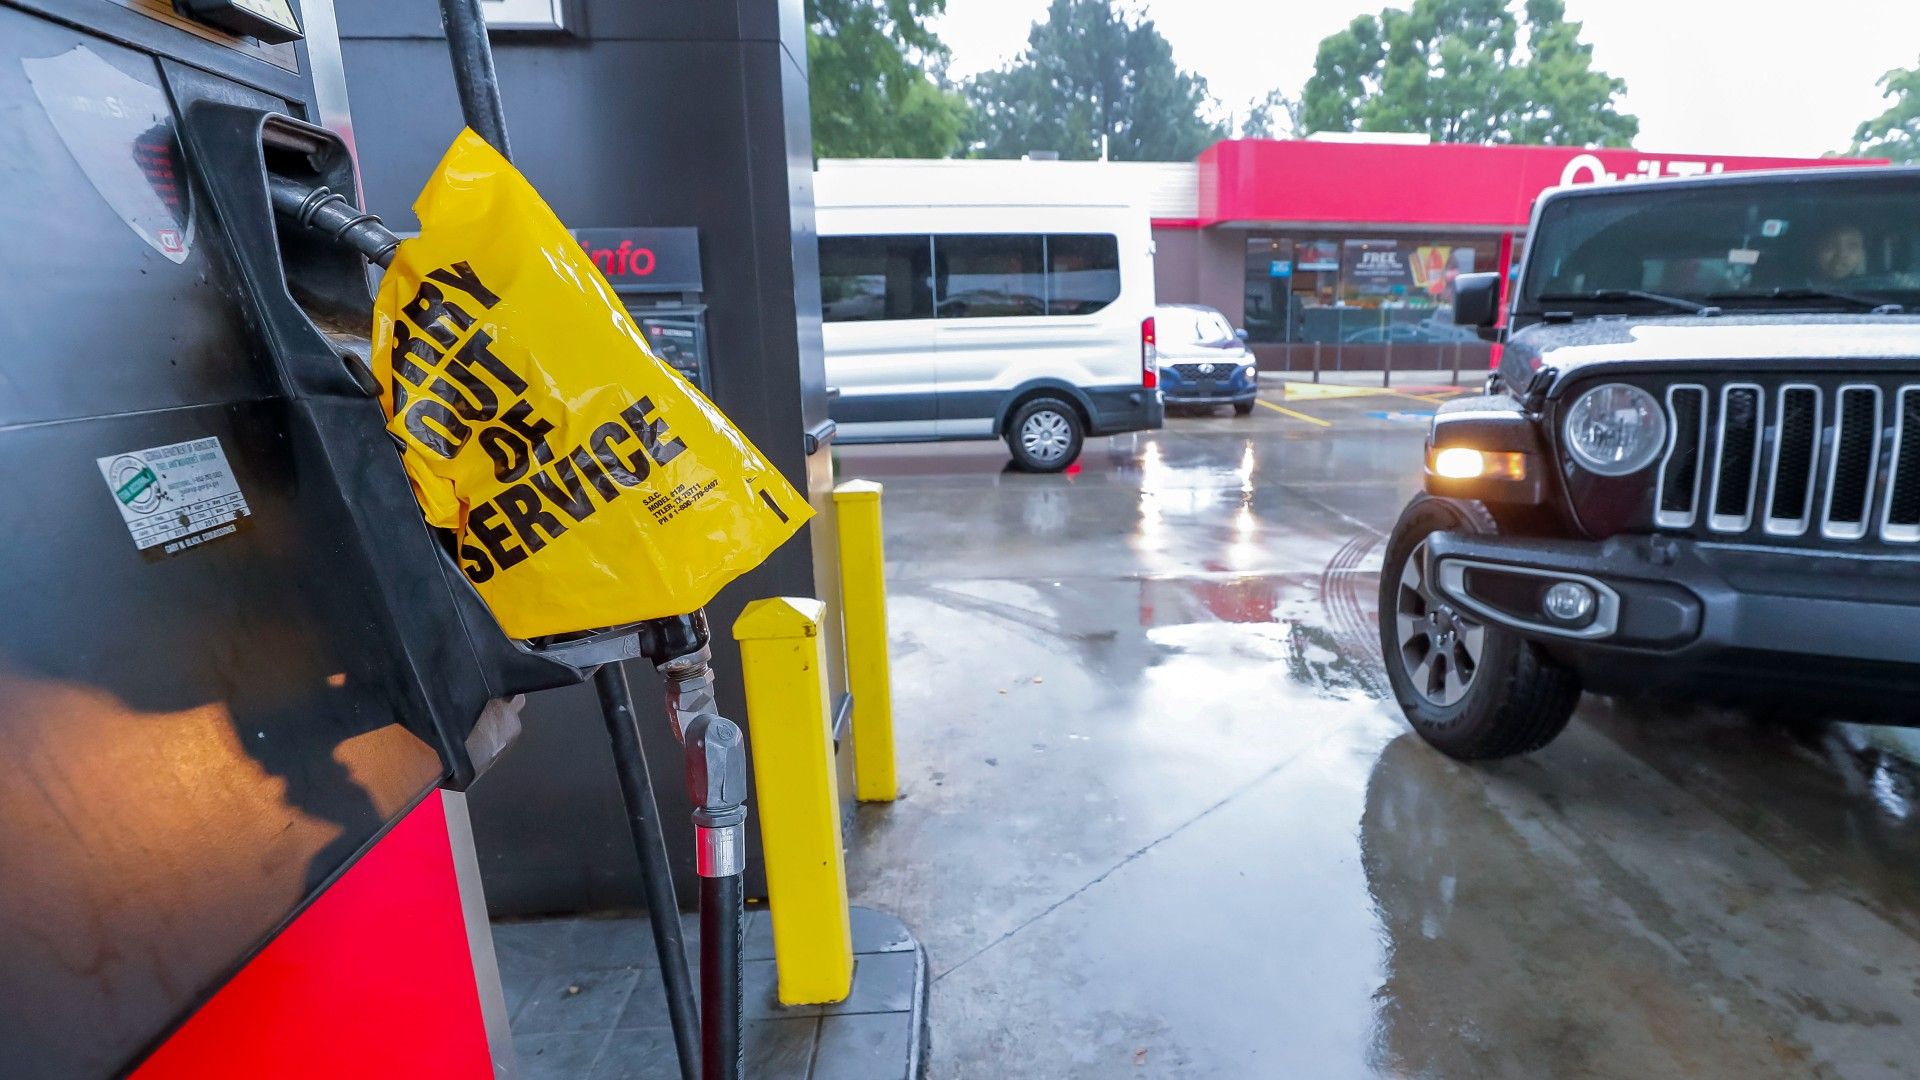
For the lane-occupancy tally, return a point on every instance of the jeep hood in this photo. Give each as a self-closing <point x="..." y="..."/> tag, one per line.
<point x="1735" y="341"/>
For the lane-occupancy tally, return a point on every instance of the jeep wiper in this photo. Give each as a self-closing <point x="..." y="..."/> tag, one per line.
<point x="1878" y="307"/>
<point x="1691" y="307"/>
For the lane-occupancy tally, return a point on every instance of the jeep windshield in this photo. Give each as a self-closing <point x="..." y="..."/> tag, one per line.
<point x="1772" y="243"/>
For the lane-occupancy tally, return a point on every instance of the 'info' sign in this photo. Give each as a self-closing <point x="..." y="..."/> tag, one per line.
<point x="663" y="260"/>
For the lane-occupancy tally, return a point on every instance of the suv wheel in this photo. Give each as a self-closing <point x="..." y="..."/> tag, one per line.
<point x="1243" y="408"/>
<point x="1471" y="689"/>
<point x="1045" y="435"/>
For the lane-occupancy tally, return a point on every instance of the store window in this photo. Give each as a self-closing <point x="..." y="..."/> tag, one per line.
<point x="1359" y="291"/>
<point x="1364" y="300"/>
<point x="867" y="278"/>
<point x="1269" y="314"/>
<point x="1401" y="290"/>
<point x="1291" y="285"/>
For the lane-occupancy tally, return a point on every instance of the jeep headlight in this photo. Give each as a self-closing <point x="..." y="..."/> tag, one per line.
<point x="1616" y="429"/>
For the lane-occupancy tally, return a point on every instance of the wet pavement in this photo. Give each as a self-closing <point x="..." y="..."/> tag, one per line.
<point x="585" y="1001"/>
<point x="1158" y="819"/>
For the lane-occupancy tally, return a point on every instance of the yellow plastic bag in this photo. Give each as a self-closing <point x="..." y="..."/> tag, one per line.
<point x="587" y="482"/>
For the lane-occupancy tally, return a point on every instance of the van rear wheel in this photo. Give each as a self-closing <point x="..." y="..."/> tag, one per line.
<point x="1045" y="435"/>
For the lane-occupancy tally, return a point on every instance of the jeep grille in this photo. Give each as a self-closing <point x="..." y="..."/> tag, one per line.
<point x="1793" y="460"/>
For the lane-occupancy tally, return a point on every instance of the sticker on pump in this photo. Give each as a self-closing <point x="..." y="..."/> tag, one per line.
<point x="175" y="498"/>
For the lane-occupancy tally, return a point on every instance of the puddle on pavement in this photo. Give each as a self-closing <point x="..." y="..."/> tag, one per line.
<point x="1192" y="738"/>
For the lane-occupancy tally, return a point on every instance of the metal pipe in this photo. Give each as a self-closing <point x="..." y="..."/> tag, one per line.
<point x="473" y="74"/>
<point x="690" y="688"/>
<point x="677" y="645"/>
<point x="656" y="876"/>
<point x="1386" y="369"/>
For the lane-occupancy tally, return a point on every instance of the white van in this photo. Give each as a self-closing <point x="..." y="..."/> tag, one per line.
<point x="1022" y="314"/>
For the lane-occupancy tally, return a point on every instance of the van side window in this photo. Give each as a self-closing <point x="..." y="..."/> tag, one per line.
<point x="868" y="278"/>
<point x="966" y="276"/>
<point x="1083" y="273"/>
<point x="990" y="276"/>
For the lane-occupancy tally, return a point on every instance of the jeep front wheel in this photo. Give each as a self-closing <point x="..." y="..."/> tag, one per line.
<point x="1472" y="689"/>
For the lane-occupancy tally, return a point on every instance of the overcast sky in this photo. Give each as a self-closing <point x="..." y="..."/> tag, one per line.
<point x="1703" y="76"/>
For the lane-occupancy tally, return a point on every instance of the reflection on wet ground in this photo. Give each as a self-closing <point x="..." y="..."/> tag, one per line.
<point x="1158" y="821"/>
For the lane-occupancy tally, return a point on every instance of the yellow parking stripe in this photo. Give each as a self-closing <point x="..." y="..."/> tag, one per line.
<point x="1299" y="391"/>
<point x="1295" y="415"/>
<point x="1433" y="398"/>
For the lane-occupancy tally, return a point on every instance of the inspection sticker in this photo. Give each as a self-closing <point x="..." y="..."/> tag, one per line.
<point x="176" y="497"/>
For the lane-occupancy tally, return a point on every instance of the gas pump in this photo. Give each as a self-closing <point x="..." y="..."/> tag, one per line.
<point x="218" y="562"/>
<point x="677" y="646"/>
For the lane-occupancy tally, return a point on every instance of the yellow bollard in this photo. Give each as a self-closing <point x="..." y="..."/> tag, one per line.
<point x="863" y="599"/>
<point x="790" y="731"/>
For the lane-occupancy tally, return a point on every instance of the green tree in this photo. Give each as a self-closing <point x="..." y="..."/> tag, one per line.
<point x="876" y="80"/>
<point x="1895" y="133"/>
<point x="1275" y="116"/>
<point x="1460" y="71"/>
<point x="1088" y="71"/>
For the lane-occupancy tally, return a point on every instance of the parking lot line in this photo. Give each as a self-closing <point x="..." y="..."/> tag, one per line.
<point x="1434" y="398"/>
<point x="1296" y="415"/>
<point x="1297" y="391"/>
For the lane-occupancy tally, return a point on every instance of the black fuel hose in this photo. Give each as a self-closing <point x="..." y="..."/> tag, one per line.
<point x="722" y="972"/>
<point x="656" y="876"/>
<point x="473" y="73"/>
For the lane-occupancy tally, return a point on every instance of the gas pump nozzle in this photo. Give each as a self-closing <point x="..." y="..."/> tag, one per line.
<point x="677" y="646"/>
<point x="328" y="212"/>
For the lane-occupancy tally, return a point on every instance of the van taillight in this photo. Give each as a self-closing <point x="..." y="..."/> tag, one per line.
<point x="1149" y="355"/>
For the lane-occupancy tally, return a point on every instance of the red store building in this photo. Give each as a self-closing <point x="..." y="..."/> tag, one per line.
<point x="1343" y="252"/>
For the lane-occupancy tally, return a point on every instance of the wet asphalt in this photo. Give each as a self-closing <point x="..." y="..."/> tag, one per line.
<point x="1160" y="819"/>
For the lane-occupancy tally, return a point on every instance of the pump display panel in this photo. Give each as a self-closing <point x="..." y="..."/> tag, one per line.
<point x="271" y="21"/>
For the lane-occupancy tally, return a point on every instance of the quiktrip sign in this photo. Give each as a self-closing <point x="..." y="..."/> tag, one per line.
<point x="1380" y="186"/>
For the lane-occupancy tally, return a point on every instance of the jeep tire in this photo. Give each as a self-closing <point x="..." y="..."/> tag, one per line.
<point x="1472" y="689"/>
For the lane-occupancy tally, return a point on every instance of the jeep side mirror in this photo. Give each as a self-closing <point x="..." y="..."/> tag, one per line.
<point x="1241" y="334"/>
<point x="1476" y="299"/>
